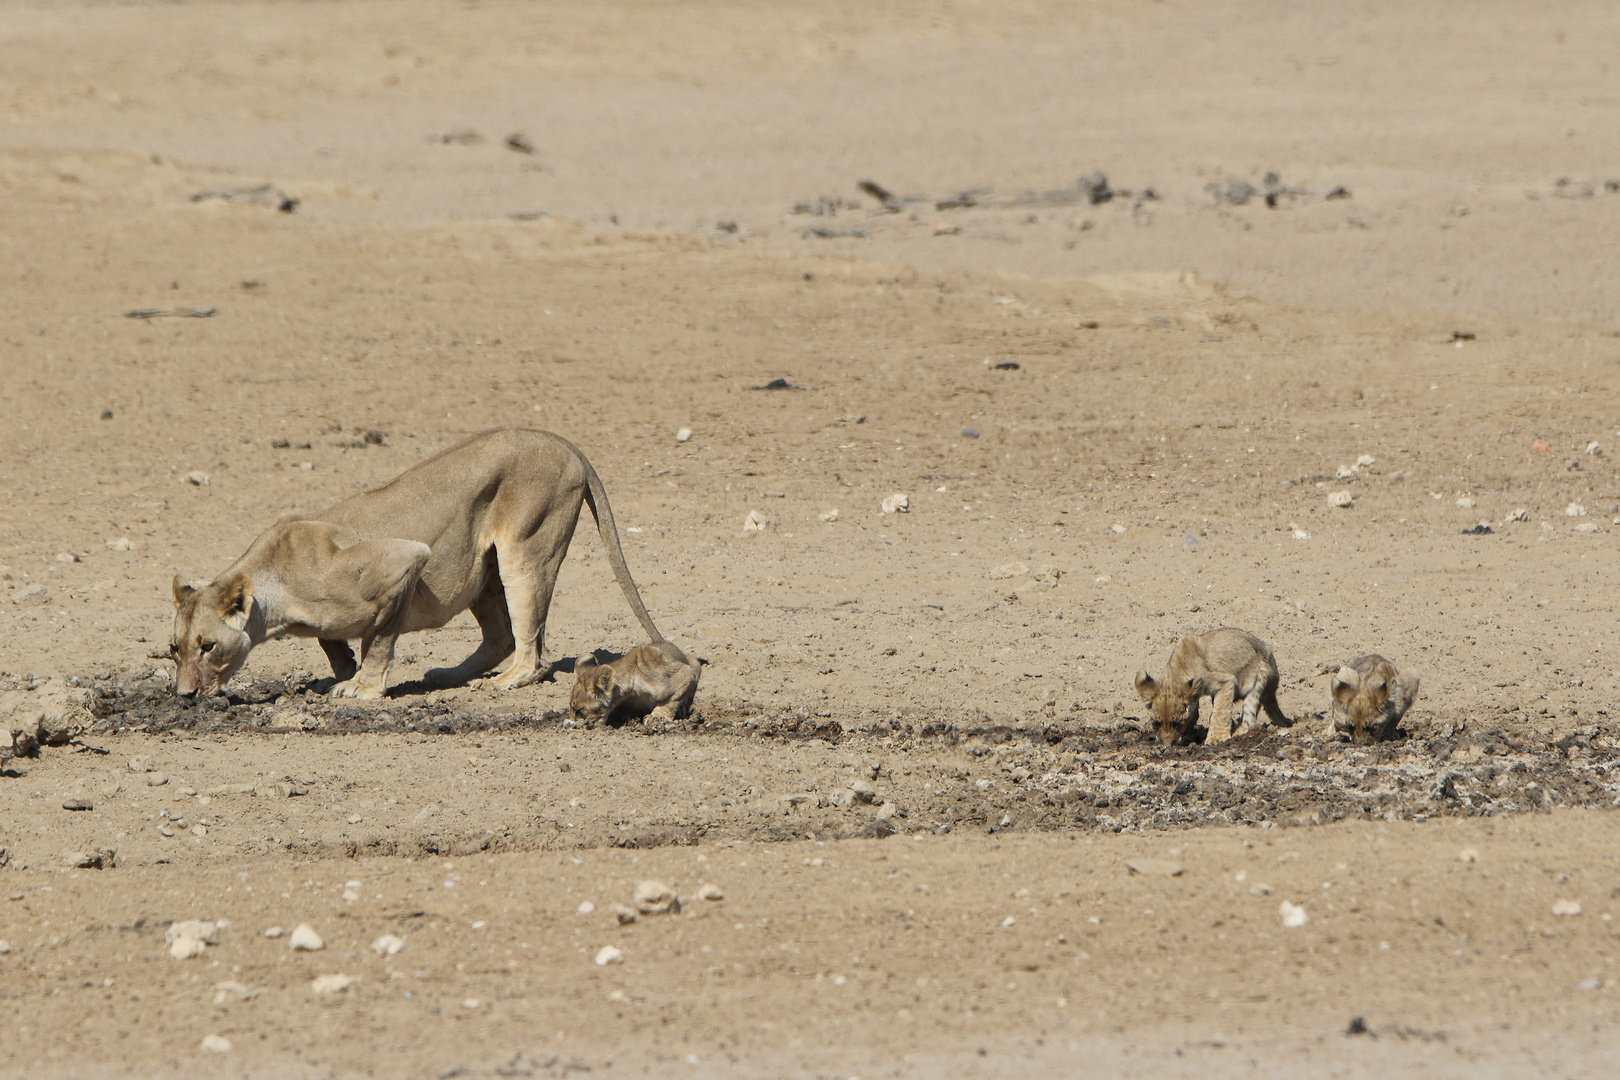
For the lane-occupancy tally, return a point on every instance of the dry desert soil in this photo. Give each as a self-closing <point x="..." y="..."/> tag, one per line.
<point x="1132" y="297"/>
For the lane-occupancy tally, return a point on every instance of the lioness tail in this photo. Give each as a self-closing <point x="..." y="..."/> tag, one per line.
<point x="596" y="498"/>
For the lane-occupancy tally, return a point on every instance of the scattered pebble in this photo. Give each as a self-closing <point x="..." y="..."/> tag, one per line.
<point x="970" y="433"/>
<point x="1189" y="542"/>
<point x="67" y="557"/>
<point x="229" y="991"/>
<point x="830" y="515"/>
<point x="330" y="984"/>
<point x="625" y="915"/>
<point x="1008" y="570"/>
<point x="1588" y="527"/>
<point x="196" y="478"/>
<point x="216" y="1044"/>
<point x="1299" y="533"/>
<point x="186" y="948"/>
<point x="1521" y="514"/>
<point x="388" y="945"/>
<point x="1574" y="510"/>
<point x="683" y="435"/>
<point x="141" y="763"/>
<point x="608" y="955"/>
<point x="305" y="939"/>
<point x="754" y="522"/>
<point x="1259" y="890"/>
<point x="655" y="898"/>
<point x="78" y="804"/>
<point x="274" y="932"/>
<point x="710" y="892"/>
<point x="1566" y="907"/>
<point x="1593" y="983"/>
<point x="1539" y="447"/>
<point x="1365" y="460"/>
<point x="1293" y="915"/>
<point x="1008" y="923"/>
<point x="1468" y="855"/>
<point x="470" y="1003"/>
<point x="1155" y="868"/>
<point x="156" y="779"/>
<point x="1466" y="502"/>
<point x="191" y="928"/>
<point x="1595" y="449"/>
<point x="898" y="503"/>
<point x="585" y="907"/>
<point x="121" y="543"/>
<point x="5" y="947"/>
<point x="1342" y="499"/>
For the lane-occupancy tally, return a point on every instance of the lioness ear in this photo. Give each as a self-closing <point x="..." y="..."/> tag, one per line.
<point x="1146" y="686"/>
<point x="236" y="597"/>
<point x="1346" y="684"/>
<point x="181" y="591"/>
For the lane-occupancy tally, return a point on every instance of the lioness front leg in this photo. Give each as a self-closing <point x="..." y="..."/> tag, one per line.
<point x="388" y="571"/>
<point x="1220" y="718"/>
<point x="341" y="658"/>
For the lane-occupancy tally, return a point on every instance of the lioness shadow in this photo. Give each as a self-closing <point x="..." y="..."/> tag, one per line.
<point x="429" y="683"/>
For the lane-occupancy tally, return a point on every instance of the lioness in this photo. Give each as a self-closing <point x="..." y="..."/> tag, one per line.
<point x="1224" y="664"/>
<point x="656" y="679"/>
<point x="483" y="525"/>
<point x="1369" y="698"/>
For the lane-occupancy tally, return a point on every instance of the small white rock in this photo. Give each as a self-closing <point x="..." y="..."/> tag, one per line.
<point x="5" y="947"/>
<point x="1341" y="499"/>
<point x="830" y="515"/>
<point x="470" y="1003"/>
<point x="585" y="907"/>
<point x="1365" y="460"/>
<point x="330" y="984"/>
<point x="684" y="434"/>
<point x="754" y="522"/>
<point x="898" y="503"/>
<point x="1588" y="527"/>
<point x="1293" y="915"/>
<point x="656" y="898"/>
<point x="1116" y="527"/>
<point x="1595" y="449"/>
<point x="351" y="895"/>
<point x="1008" y="923"/>
<point x="710" y="891"/>
<point x="189" y="928"/>
<point x="187" y="947"/>
<point x="1567" y="907"/>
<point x="66" y="557"/>
<point x="625" y="915"/>
<point x="121" y="543"/>
<point x="1521" y="514"/>
<point x="1299" y="533"/>
<point x="196" y="478"/>
<point x="305" y="939"/>
<point x="216" y="1044"/>
<point x="1466" y="502"/>
<point x="1468" y="855"/>
<point x="274" y="932"/>
<point x="1259" y="889"/>
<point x="1574" y="510"/>
<point x="1008" y="570"/>
<point x="388" y="945"/>
<point x="607" y="954"/>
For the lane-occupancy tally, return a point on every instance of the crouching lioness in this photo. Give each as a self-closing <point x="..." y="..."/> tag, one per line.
<point x="1226" y="665"/>
<point x="1369" y="698"/>
<point x="484" y="525"/>
<point x="649" y="679"/>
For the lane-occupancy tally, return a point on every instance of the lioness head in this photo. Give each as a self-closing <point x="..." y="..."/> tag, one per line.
<point x="210" y="633"/>
<point x="1174" y="703"/>
<point x="592" y="696"/>
<point x="1363" y="697"/>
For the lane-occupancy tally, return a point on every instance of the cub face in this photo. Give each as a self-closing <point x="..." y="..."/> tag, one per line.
<point x="210" y="641"/>
<point x="1364" y="698"/>
<point x="1174" y="703"/>
<point x="593" y="698"/>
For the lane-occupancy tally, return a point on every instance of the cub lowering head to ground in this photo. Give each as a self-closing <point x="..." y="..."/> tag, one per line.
<point x="1369" y="698"/>
<point x="482" y="526"/>
<point x="656" y="679"/>
<point x="1226" y="665"/>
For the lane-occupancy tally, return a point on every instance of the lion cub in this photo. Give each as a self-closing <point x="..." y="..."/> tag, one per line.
<point x="1369" y="698"/>
<point x="1226" y="665"/>
<point x="656" y="679"/>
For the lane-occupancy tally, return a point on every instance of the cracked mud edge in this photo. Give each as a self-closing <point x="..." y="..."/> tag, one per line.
<point x="1089" y="771"/>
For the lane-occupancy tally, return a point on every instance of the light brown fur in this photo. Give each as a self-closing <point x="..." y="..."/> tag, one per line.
<point x="1225" y="665"/>
<point x="1369" y="698"/>
<point x="653" y="679"/>
<point x="483" y="525"/>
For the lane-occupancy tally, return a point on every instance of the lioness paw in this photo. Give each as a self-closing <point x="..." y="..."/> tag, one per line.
<point x="358" y="691"/>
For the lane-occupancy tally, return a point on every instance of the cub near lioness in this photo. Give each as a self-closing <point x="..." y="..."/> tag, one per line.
<point x="1369" y="698"/>
<point x="1226" y="665"/>
<point x="649" y="679"/>
<point x="483" y="525"/>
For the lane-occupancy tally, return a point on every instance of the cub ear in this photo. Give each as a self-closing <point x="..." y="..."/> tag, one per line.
<point x="1346" y="684"/>
<point x="583" y="667"/>
<point x="235" y="600"/>
<point x="181" y="591"/>
<point x="1146" y="686"/>
<point x="602" y="683"/>
<point x="1375" y="681"/>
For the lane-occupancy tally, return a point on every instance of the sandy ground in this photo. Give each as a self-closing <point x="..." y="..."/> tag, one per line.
<point x="1194" y="378"/>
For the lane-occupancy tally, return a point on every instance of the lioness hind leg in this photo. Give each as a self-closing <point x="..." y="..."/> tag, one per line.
<point x="340" y="656"/>
<point x="490" y="610"/>
<point x="529" y="584"/>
